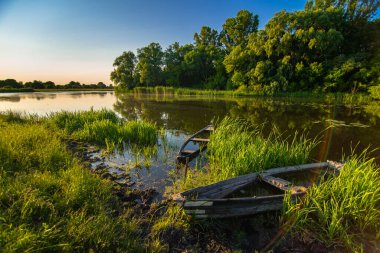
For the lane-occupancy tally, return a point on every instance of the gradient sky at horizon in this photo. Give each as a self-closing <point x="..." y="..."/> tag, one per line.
<point x="64" y="40"/>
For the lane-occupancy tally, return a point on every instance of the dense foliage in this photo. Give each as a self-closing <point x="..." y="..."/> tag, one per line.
<point x="329" y="46"/>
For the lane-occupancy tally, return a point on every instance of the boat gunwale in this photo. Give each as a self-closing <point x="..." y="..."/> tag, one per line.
<point x="182" y="158"/>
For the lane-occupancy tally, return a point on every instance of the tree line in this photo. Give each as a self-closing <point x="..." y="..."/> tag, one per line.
<point x="13" y="84"/>
<point x="330" y="45"/>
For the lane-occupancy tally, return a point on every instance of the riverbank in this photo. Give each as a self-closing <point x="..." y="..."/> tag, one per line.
<point x="349" y="98"/>
<point x="11" y="90"/>
<point x="53" y="200"/>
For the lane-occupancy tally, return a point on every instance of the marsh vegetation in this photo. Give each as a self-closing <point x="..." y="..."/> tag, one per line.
<point x="50" y="200"/>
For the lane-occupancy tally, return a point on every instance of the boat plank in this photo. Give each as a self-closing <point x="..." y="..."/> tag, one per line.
<point x="195" y="139"/>
<point x="222" y="208"/>
<point x="225" y="187"/>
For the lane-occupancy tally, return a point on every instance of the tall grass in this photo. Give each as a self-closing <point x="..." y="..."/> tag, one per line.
<point x="49" y="202"/>
<point x="342" y="211"/>
<point x="28" y="147"/>
<point x="237" y="148"/>
<point x="346" y="98"/>
<point x="74" y="121"/>
<point x="104" y="127"/>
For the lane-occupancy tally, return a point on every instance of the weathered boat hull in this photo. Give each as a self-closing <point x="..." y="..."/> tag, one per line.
<point x="210" y="202"/>
<point x="185" y="156"/>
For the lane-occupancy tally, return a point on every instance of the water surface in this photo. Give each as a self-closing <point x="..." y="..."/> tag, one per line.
<point x="340" y="128"/>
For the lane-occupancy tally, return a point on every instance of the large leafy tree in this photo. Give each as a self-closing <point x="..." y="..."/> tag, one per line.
<point x="236" y="30"/>
<point x="205" y="60"/>
<point x="331" y="45"/>
<point x="124" y="68"/>
<point x="150" y="61"/>
<point x="176" y="70"/>
<point x="10" y="83"/>
<point x="316" y="48"/>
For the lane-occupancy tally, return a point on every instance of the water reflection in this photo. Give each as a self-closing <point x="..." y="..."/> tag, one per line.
<point x="339" y="127"/>
<point x="42" y="103"/>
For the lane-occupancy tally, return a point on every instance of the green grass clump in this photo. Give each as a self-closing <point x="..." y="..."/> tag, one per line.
<point x="105" y="131"/>
<point x="28" y="147"/>
<point x="104" y="128"/>
<point x="236" y="148"/>
<point x="342" y="210"/>
<point x="74" y="121"/>
<point x="50" y="203"/>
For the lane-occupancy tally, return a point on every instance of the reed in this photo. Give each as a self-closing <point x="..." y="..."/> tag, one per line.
<point x="104" y="128"/>
<point x="342" y="211"/>
<point x="74" y="121"/>
<point x="339" y="97"/>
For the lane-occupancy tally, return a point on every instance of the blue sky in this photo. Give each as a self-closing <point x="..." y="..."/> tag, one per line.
<point x="63" y="40"/>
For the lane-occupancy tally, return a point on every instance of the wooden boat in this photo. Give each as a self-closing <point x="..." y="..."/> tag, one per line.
<point x="215" y="201"/>
<point x="186" y="155"/>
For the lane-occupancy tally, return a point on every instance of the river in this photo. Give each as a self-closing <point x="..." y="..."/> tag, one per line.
<point x="339" y="128"/>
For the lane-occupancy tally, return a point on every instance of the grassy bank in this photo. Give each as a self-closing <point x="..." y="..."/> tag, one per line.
<point x="48" y="201"/>
<point x="74" y="89"/>
<point x="342" y="211"/>
<point x="51" y="202"/>
<point x="350" y="98"/>
<point x="10" y="90"/>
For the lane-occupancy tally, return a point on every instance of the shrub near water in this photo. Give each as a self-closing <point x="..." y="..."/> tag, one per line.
<point x="342" y="210"/>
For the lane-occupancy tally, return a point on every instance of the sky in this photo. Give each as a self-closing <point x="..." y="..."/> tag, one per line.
<point x="65" y="40"/>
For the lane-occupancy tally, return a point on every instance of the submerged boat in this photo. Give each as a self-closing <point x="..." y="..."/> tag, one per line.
<point x="219" y="201"/>
<point x="202" y="137"/>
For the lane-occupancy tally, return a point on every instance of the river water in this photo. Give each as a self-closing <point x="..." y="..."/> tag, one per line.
<point x="340" y="128"/>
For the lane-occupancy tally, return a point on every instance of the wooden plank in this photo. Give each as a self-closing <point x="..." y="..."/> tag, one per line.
<point x="283" y="184"/>
<point x="221" y="208"/>
<point x="221" y="188"/>
<point x="188" y="152"/>
<point x="295" y="168"/>
<point x="279" y="183"/>
<point x="199" y="139"/>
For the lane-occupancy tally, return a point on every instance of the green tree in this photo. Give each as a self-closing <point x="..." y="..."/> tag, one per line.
<point x="205" y="60"/>
<point x="236" y="30"/>
<point x="124" y="68"/>
<point x="73" y="85"/>
<point x="149" y="67"/>
<point x="176" y="71"/>
<point x="10" y="83"/>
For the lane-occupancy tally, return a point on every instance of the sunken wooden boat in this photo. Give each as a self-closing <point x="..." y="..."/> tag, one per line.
<point x="202" y="137"/>
<point x="218" y="200"/>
